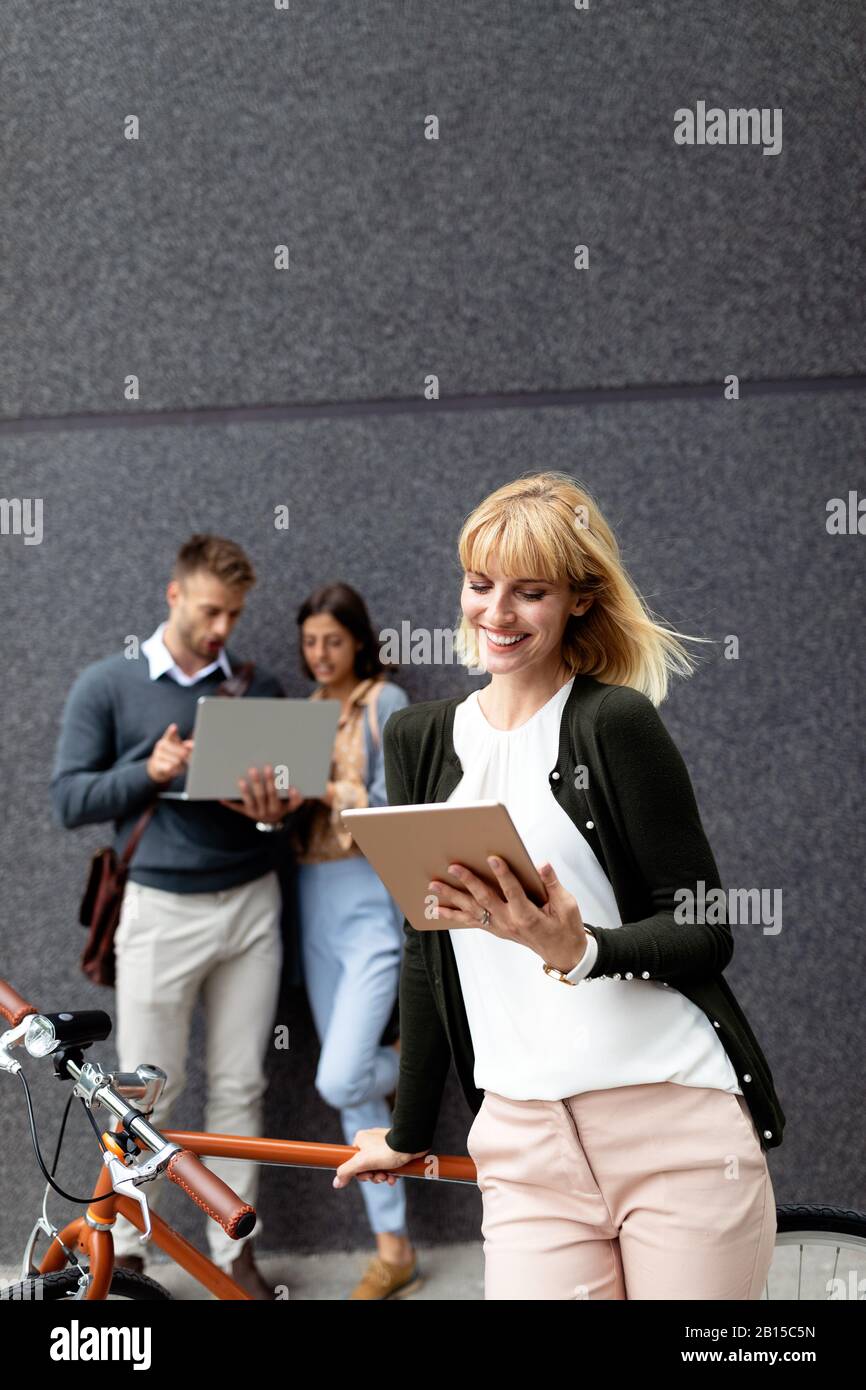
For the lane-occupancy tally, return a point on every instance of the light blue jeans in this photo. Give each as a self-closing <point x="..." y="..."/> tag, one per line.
<point x="351" y="935"/>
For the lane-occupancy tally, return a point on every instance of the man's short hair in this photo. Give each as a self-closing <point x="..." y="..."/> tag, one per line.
<point x="219" y="556"/>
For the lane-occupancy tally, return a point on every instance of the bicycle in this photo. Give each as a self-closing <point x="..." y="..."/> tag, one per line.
<point x="807" y="1235"/>
<point x="129" y="1097"/>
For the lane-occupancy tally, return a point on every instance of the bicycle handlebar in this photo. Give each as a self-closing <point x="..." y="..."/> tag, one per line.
<point x="13" y="1006"/>
<point x="208" y="1191"/>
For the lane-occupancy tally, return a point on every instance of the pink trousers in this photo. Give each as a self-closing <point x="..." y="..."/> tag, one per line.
<point x="655" y="1191"/>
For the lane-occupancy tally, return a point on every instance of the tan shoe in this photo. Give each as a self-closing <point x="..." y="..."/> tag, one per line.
<point x="383" y="1280"/>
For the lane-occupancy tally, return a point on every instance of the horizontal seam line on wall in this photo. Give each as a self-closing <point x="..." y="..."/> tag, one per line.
<point x="523" y="400"/>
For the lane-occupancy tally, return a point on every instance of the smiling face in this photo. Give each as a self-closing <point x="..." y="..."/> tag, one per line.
<point x="520" y="622"/>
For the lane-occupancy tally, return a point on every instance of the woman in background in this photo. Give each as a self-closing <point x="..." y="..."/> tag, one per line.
<point x="351" y="930"/>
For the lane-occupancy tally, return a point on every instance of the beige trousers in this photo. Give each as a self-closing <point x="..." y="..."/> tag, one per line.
<point x="655" y="1191"/>
<point x="225" y="946"/>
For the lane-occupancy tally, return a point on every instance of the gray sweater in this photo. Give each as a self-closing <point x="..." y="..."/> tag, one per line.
<point x="113" y="717"/>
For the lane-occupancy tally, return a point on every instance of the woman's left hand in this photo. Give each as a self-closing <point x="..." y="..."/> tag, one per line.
<point x="555" y="932"/>
<point x="260" y="799"/>
<point x="374" y="1159"/>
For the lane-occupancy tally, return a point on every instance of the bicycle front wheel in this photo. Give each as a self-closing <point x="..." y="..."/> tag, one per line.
<point x="65" y="1283"/>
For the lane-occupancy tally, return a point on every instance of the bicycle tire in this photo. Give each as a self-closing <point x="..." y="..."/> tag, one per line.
<point x="63" y="1283"/>
<point x="819" y="1256"/>
<point x="810" y="1217"/>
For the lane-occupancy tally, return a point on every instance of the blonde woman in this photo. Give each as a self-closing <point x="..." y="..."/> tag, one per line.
<point x="622" y="1103"/>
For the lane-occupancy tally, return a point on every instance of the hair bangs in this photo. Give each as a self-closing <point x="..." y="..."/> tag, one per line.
<point x="522" y="550"/>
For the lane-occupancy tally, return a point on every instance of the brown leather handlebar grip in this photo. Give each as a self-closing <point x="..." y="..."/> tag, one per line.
<point x="13" y="1006"/>
<point x="209" y="1192"/>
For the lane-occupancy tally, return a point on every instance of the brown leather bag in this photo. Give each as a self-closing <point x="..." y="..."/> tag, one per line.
<point x="106" y="879"/>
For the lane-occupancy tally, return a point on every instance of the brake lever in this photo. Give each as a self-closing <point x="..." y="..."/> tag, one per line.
<point x="126" y="1179"/>
<point x="125" y="1185"/>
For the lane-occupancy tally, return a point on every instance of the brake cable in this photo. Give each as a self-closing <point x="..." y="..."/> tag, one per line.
<point x="85" y="1201"/>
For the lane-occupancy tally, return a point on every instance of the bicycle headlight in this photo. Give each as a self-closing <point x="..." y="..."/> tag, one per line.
<point x="40" y="1038"/>
<point x="47" y="1032"/>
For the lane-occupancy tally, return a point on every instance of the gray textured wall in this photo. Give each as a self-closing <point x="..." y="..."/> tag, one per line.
<point x="408" y="257"/>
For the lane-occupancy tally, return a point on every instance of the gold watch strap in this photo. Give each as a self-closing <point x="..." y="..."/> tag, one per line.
<point x="555" y="973"/>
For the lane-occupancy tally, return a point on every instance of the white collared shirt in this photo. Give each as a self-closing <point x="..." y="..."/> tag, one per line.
<point x="160" y="660"/>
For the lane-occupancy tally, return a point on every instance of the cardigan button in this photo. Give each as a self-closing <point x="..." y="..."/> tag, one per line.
<point x="768" y="1134"/>
<point x="746" y="1076"/>
<point x="716" y="1025"/>
<point x="590" y="825"/>
<point x="617" y="977"/>
<point x="644" y="975"/>
<point x="629" y="975"/>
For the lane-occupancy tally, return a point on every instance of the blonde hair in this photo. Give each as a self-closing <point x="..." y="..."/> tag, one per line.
<point x="548" y="526"/>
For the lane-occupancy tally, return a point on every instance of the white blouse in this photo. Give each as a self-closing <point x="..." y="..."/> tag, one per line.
<point x="534" y="1037"/>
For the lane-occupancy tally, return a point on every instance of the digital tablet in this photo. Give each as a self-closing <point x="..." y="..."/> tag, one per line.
<point x="231" y="736"/>
<point x="408" y="846"/>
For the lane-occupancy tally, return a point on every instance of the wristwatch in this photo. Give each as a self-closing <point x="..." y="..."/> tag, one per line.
<point x="556" y="974"/>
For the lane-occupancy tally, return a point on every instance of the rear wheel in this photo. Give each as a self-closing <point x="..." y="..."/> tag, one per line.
<point x="64" y="1283"/>
<point x="820" y="1255"/>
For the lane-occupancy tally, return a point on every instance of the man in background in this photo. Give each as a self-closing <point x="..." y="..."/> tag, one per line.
<point x="201" y="910"/>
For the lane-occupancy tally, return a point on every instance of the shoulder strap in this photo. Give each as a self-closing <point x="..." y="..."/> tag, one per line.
<point x="372" y="715"/>
<point x="137" y="832"/>
<point x="239" y="682"/>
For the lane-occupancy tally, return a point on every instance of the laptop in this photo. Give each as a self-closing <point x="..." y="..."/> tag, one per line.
<point x="231" y="736"/>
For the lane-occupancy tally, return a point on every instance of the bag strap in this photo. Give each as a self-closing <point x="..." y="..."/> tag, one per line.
<point x="239" y="682"/>
<point x="372" y="713"/>
<point x="137" y="832"/>
<point x="234" y="687"/>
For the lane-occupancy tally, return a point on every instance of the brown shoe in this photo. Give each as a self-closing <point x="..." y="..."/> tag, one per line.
<point x="383" y="1280"/>
<point x="245" y="1272"/>
<point x="132" y="1262"/>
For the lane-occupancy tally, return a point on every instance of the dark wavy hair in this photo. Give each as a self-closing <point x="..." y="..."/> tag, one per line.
<point x="346" y="605"/>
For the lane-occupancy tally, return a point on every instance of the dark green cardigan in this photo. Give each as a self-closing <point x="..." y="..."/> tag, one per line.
<point x="640" y="817"/>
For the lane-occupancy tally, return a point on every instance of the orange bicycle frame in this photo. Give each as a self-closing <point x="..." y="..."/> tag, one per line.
<point x="91" y="1235"/>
